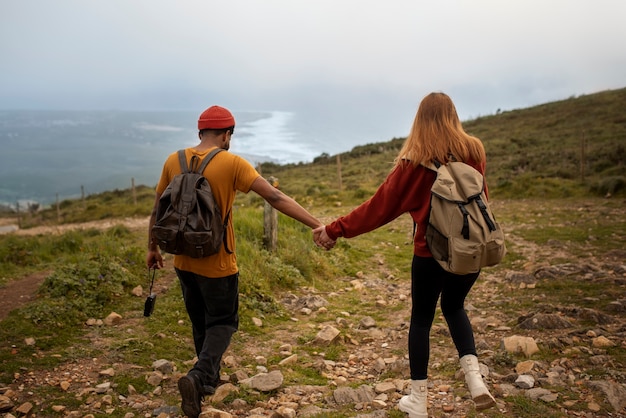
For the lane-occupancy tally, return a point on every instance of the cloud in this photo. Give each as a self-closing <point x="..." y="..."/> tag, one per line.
<point x="367" y="55"/>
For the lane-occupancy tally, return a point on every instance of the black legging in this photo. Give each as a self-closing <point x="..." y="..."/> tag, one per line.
<point x="428" y="281"/>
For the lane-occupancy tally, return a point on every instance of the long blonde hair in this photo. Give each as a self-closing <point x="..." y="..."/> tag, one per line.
<point x="437" y="132"/>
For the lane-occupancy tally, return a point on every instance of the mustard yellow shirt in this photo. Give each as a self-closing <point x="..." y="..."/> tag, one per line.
<point x="227" y="173"/>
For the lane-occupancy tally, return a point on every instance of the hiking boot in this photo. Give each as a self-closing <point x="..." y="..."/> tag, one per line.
<point x="191" y="397"/>
<point x="208" y="389"/>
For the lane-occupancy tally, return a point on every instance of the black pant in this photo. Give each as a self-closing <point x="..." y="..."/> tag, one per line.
<point x="428" y="282"/>
<point x="212" y="305"/>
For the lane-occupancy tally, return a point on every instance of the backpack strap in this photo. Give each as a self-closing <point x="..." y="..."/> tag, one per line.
<point x="207" y="160"/>
<point x="182" y="159"/>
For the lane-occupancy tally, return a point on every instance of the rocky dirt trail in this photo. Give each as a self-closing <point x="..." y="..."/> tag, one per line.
<point x="371" y="372"/>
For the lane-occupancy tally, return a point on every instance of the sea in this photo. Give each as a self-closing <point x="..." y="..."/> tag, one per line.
<point x="47" y="155"/>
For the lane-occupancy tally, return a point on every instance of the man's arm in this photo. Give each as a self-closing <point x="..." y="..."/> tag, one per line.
<point x="154" y="259"/>
<point x="284" y="203"/>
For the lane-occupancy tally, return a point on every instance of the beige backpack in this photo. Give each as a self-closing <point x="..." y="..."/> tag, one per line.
<point x="462" y="232"/>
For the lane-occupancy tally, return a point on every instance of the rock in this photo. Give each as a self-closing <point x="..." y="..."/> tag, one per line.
<point x="519" y="277"/>
<point x="223" y="391"/>
<point x="25" y="408"/>
<point x="155" y="378"/>
<point x="524" y="366"/>
<point x="312" y="410"/>
<point x="517" y="344"/>
<point x="239" y="376"/>
<point x="265" y="382"/>
<point x="347" y="395"/>
<point x="326" y="335"/>
<point x="169" y="411"/>
<point x="107" y="372"/>
<point x="103" y="387"/>
<point x="137" y="291"/>
<point x="5" y="403"/>
<point x="163" y="366"/>
<point x="30" y="341"/>
<point x="292" y="359"/>
<point x="614" y="392"/>
<point x="602" y="342"/>
<point x="214" y="413"/>
<point x="367" y="323"/>
<point x="113" y="319"/>
<point x="284" y="412"/>
<point x="385" y="387"/>
<point x="525" y="381"/>
<point x="536" y="393"/>
<point x="257" y="322"/>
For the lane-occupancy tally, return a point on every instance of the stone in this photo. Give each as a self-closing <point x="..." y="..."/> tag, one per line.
<point x="155" y="378"/>
<point x="524" y="366"/>
<point x="385" y="387"/>
<point x="214" y="413"/>
<point x="5" y="403"/>
<point x="284" y="412"/>
<point x="614" y="392"/>
<point x="137" y="291"/>
<point x="536" y="393"/>
<point x="525" y="381"/>
<point x="223" y="391"/>
<point x="326" y="336"/>
<point x="163" y="366"/>
<point x="347" y="395"/>
<point x="367" y="323"/>
<point x="292" y="359"/>
<point x="602" y="342"/>
<point x="103" y="387"/>
<point x="265" y="382"/>
<point x="107" y="372"/>
<point x="517" y="344"/>
<point x="113" y="319"/>
<point x="25" y="408"/>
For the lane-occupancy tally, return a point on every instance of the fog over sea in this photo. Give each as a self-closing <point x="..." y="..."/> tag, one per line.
<point x="50" y="153"/>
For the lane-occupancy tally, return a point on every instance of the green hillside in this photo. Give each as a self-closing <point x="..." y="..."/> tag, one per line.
<point x="573" y="147"/>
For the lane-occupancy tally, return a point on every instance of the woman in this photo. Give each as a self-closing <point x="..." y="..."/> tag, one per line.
<point x="436" y="135"/>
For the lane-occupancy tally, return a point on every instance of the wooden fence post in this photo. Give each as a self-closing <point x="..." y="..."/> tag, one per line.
<point x="339" y="172"/>
<point x="19" y="218"/>
<point x="58" y="210"/>
<point x="270" y="222"/>
<point x="132" y="186"/>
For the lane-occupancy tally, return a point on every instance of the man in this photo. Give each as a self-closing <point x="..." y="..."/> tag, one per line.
<point x="210" y="284"/>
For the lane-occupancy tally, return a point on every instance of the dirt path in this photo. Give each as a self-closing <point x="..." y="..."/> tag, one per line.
<point x="18" y="292"/>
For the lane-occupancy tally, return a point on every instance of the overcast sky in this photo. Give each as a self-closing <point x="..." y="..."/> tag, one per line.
<point x="365" y="57"/>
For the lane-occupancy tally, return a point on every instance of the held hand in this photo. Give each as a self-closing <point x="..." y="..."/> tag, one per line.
<point x="154" y="259"/>
<point x="322" y="239"/>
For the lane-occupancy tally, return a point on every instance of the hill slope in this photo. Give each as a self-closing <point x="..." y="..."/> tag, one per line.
<point x="565" y="148"/>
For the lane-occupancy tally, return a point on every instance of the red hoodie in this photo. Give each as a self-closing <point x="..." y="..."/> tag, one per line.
<point x="406" y="189"/>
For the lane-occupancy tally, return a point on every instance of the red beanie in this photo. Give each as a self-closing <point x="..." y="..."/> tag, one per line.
<point x="215" y="117"/>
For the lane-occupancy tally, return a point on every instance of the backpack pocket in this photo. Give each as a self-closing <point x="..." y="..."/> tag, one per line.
<point x="165" y="238"/>
<point x="494" y="252"/>
<point x="437" y="243"/>
<point x="199" y="244"/>
<point x="467" y="256"/>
